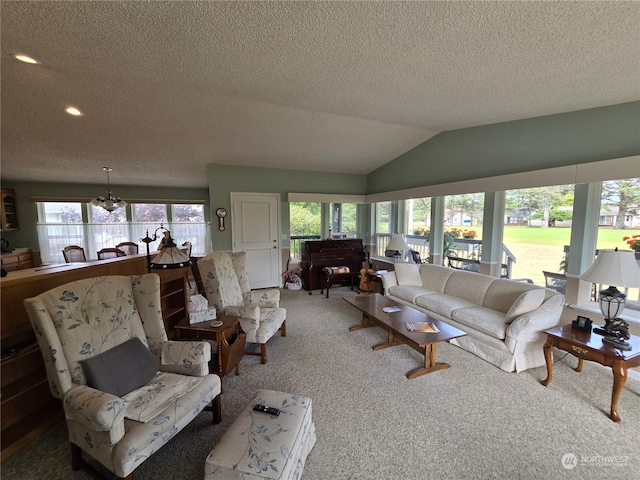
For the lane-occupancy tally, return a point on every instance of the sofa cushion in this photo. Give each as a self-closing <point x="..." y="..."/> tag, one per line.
<point x="483" y="319"/>
<point x="121" y="369"/>
<point x="408" y="274"/>
<point x="468" y="286"/>
<point x="527" y="302"/>
<point x="434" y="277"/>
<point x="408" y="293"/>
<point x="442" y="303"/>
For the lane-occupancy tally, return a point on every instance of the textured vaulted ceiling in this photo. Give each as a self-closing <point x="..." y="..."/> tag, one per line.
<point x="169" y="87"/>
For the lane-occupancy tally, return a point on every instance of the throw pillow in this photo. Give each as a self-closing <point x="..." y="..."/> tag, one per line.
<point x="336" y="270"/>
<point x="525" y="303"/>
<point x="121" y="369"/>
<point x="408" y="274"/>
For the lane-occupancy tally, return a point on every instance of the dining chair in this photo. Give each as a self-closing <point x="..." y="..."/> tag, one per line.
<point x="129" y="248"/>
<point x="110" y="253"/>
<point x="74" y="253"/>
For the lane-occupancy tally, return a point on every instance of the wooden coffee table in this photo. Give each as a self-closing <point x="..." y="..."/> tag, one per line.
<point x="425" y="343"/>
<point x="589" y="346"/>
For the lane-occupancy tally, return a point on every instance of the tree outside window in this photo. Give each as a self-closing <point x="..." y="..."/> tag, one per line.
<point x="150" y="212"/>
<point x="188" y="213"/>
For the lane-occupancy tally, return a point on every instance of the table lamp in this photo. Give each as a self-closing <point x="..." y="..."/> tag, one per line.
<point x="169" y="256"/>
<point x="399" y="246"/>
<point x="617" y="268"/>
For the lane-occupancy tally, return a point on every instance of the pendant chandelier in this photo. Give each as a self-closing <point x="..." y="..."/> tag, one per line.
<point x="109" y="203"/>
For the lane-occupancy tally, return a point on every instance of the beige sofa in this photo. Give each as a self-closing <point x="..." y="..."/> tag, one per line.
<point x="504" y="318"/>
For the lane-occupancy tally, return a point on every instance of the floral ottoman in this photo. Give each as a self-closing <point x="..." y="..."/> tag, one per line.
<point x="259" y="445"/>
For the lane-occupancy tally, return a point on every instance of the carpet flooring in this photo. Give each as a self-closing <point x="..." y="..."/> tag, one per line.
<point x="471" y="421"/>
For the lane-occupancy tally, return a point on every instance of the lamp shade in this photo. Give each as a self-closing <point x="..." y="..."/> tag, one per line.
<point x="170" y="255"/>
<point x="614" y="267"/>
<point x="397" y="243"/>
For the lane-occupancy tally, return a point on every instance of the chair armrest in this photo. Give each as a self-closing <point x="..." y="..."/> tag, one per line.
<point x="267" y="298"/>
<point x="187" y="358"/>
<point x="248" y="315"/>
<point x="94" y="409"/>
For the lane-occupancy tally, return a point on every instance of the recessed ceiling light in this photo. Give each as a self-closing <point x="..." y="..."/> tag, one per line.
<point x="25" y="58"/>
<point x="73" y="111"/>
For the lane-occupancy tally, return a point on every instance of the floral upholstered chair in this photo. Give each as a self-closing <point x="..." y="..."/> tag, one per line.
<point x="126" y="390"/>
<point x="226" y="286"/>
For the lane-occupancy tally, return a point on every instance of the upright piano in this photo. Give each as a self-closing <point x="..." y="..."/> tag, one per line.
<point x="317" y="254"/>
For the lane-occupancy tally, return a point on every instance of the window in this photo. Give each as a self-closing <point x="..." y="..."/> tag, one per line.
<point x="185" y="213"/>
<point x="150" y="213"/>
<point x="418" y="216"/>
<point x="537" y="229"/>
<point x="343" y="220"/>
<point x="305" y="223"/>
<point x="61" y="224"/>
<point x="188" y="225"/>
<point x="462" y="241"/>
<point x="106" y="230"/>
<point x="619" y="220"/>
<point x="384" y="217"/>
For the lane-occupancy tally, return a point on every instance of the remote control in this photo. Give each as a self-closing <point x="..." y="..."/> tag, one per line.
<point x="265" y="409"/>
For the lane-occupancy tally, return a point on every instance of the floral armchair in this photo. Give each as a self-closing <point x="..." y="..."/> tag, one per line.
<point x="226" y="286"/>
<point x="102" y="336"/>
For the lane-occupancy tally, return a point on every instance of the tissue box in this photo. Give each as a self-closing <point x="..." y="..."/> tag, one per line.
<point x="197" y="317"/>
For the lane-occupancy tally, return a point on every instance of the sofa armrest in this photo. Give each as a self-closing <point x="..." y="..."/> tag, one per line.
<point x="187" y="358"/>
<point x="529" y="327"/>
<point x="388" y="280"/>
<point x="94" y="409"/>
<point x="267" y="298"/>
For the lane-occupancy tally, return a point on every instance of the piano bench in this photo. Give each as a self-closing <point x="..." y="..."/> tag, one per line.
<point x="338" y="276"/>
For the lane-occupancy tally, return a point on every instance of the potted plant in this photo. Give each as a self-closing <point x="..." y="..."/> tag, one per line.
<point x="633" y="242"/>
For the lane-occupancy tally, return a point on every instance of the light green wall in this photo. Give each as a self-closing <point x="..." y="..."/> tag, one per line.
<point x="520" y="146"/>
<point x="224" y="179"/>
<point x="27" y="236"/>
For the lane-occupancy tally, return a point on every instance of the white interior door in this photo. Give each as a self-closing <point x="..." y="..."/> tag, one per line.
<point x="255" y="228"/>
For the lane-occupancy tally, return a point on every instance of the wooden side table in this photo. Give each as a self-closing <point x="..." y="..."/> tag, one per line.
<point x="589" y="346"/>
<point x="229" y="338"/>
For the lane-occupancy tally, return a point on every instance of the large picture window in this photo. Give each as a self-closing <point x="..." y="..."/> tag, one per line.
<point x="93" y="228"/>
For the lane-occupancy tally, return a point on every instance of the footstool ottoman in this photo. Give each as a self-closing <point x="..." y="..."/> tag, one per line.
<point x="259" y="445"/>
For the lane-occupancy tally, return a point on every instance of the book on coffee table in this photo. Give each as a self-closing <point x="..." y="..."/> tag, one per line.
<point x="423" y="327"/>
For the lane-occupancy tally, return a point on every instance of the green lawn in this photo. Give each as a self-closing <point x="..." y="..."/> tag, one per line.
<point x="607" y="237"/>
<point x="537" y="249"/>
